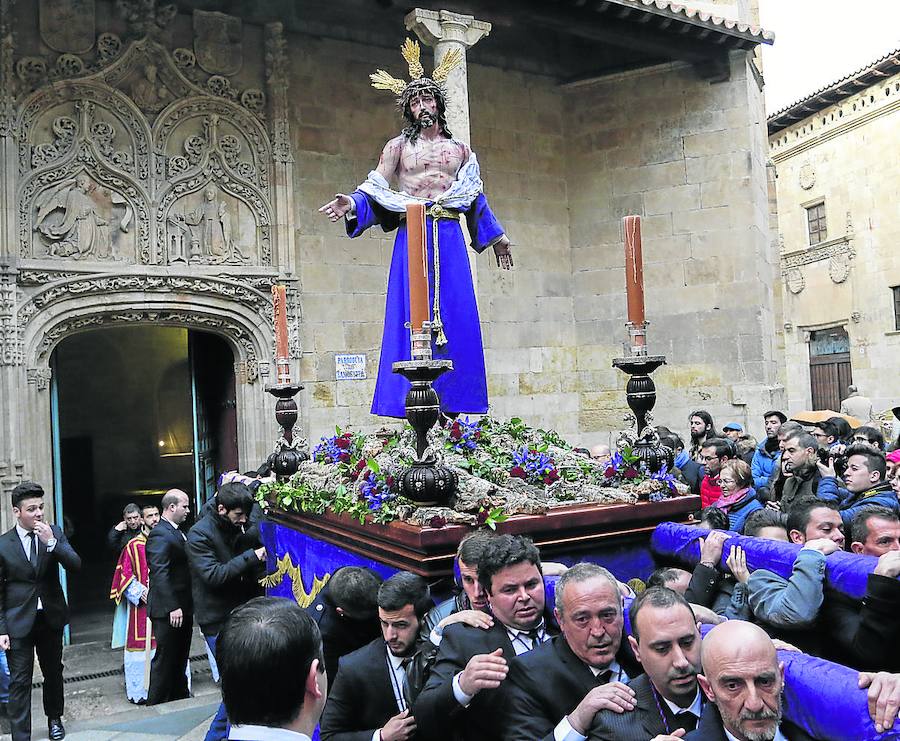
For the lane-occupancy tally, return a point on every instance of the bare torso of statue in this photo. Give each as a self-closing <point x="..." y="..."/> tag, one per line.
<point x="425" y="168"/>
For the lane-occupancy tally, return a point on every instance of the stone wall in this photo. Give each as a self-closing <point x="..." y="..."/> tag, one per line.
<point x="687" y="155"/>
<point x="842" y="155"/>
<point x="561" y="167"/>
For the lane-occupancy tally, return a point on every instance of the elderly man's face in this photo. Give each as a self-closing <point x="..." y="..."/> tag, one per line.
<point x="795" y="456"/>
<point x="746" y="686"/>
<point x="591" y="620"/>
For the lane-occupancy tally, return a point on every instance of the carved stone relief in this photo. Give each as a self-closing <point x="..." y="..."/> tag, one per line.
<point x="79" y="219"/>
<point x="39" y="378"/>
<point x="217" y="42"/>
<point x="794" y="280"/>
<point x="10" y="345"/>
<point x="130" y="152"/>
<point x="67" y="25"/>
<point x="84" y="286"/>
<point x="807" y="176"/>
<point x="839" y="267"/>
<point x="217" y="324"/>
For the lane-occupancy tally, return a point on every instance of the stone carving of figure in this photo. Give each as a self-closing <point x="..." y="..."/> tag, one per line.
<point x="80" y="231"/>
<point x="148" y="94"/>
<point x="209" y="231"/>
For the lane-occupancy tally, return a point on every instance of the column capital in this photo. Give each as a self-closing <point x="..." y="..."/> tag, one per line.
<point x="435" y="26"/>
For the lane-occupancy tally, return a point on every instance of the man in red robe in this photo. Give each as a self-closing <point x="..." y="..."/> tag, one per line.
<point x="131" y="580"/>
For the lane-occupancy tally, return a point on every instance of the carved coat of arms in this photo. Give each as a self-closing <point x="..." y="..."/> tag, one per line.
<point x="217" y="42"/>
<point x="67" y="25"/>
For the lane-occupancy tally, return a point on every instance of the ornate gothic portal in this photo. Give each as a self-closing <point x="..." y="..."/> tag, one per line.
<point x="146" y="173"/>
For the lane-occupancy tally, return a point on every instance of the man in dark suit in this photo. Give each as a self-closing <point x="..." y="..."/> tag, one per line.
<point x="585" y="668"/>
<point x="33" y="610"/>
<point x="169" y="604"/>
<point x="463" y="695"/>
<point x="743" y="679"/>
<point x="346" y="611"/>
<point x="371" y="695"/>
<point x="665" y="638"/>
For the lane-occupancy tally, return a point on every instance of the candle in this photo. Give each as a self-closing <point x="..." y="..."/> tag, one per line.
<point x="634" y="270"/>
<point x="418" y="266"/>
<point x="279" y="304"/>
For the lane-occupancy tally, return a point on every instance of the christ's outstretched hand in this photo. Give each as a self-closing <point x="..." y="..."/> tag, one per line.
<point x="503" y="254"/>
<point x="338" y="208"/>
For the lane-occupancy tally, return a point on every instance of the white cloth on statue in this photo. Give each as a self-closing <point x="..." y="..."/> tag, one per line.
<point x="465" y="189"/>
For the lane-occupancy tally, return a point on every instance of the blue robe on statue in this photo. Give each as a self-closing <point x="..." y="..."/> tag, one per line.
<point x="464" y="389"/>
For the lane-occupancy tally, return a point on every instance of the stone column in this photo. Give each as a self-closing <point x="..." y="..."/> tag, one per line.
<point x="446" y="31"/>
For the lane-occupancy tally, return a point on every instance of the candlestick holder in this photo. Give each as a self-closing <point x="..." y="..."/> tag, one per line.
<point x="637" y="335"/>
<point x="426" y="481"/>
<point x="290" y="452"/>
<point x="640" y="393"/>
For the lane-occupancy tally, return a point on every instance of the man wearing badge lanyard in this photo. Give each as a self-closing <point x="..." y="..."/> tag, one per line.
<point x="665" y="639"/>
<point x="375" y="685"/>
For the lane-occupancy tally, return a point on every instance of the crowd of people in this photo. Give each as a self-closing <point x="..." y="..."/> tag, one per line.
<point x="510" y="655"/>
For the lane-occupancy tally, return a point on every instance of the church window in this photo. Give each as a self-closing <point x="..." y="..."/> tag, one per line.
<point x="815" y="221"/>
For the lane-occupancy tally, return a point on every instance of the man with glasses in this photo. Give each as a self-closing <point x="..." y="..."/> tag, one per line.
<point x="712" y="455"/>
<point x="869" y="436"/>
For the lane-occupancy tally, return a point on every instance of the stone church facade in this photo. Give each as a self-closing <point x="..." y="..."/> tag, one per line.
<point x="144" y="181"/>
<point x="163" y="166"/>
<point x="838" y="229"/>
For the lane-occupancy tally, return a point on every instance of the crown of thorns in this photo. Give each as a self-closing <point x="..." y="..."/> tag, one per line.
<point x="381" y="80"/>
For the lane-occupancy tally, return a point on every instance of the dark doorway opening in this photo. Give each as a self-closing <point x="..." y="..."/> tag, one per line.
<point x="138" y="410"/>
<point x="830" y="372"/>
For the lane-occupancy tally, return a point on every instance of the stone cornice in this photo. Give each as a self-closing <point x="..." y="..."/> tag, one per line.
<point x="817" y="253"/>
<point x="832" y="131"/>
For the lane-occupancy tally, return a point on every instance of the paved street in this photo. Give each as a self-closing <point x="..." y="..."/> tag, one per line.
<point x="97" y="710"/>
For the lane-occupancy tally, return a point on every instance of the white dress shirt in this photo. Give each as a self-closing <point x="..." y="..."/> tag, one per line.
<point x="26" y="546"/>
<point x="264" y="733"/>
<point x="521" y="644"/>
<point x="564" y="730"/>
<point x="694" y="708"/>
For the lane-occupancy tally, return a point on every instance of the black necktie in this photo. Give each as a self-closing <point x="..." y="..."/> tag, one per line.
<point x="686" y="721"/>
<point x="534" y="635"/>
<point x="32" y="550"/>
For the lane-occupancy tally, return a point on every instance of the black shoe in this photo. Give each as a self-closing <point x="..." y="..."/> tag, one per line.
<point x="4" y="710"/>
<point x="55" y="729"/>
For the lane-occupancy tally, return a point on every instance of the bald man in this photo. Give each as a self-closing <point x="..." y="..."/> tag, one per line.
<point x="742" y="678"/>
<point x="601" y="453"/>
<point x="169" y="603"/>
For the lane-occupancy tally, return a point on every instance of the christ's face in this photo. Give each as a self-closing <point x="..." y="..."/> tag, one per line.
<point x="423" y="108"/>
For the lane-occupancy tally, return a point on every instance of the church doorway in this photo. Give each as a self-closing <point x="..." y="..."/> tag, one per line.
<point x="136" y="411"/>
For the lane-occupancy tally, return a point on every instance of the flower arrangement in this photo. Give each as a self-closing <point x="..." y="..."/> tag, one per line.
<point x="357" y="474"/>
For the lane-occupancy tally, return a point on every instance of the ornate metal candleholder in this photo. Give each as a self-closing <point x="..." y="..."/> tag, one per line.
<point x="640" y="393"/>
<point x="426" y="482"/>
<point x="289" y="451"/>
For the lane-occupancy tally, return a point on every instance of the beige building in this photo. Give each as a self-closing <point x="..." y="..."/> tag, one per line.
<point x="837" y="183"/>
<point x="161" y="167"/>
